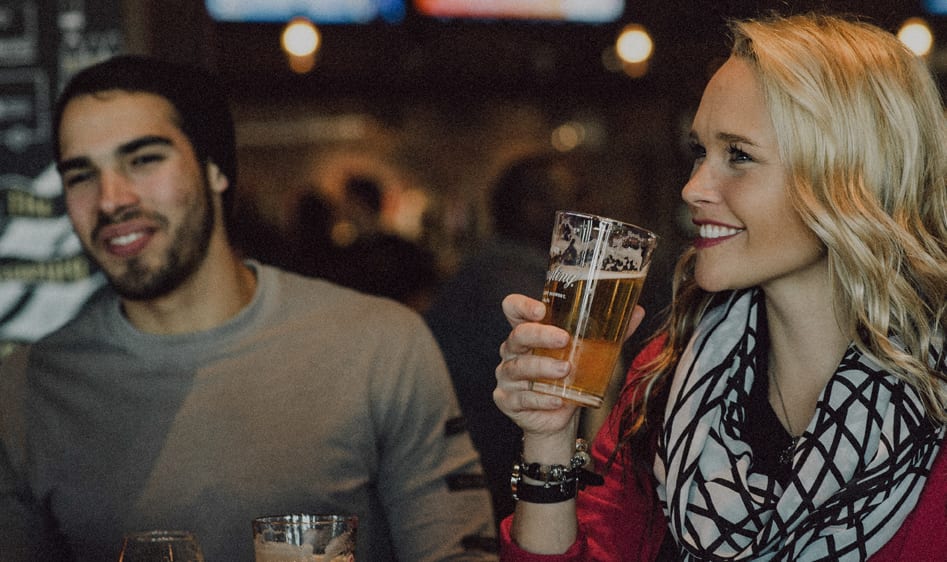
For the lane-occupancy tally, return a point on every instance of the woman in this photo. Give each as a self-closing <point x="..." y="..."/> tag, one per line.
<point x="793" y="405"/>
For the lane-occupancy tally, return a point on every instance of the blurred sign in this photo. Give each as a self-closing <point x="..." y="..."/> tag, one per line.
<point x="586" y="11"/>
<point x="19" y="34"/>
<point x="318" y="11"/>
<point x="44" y="276"/>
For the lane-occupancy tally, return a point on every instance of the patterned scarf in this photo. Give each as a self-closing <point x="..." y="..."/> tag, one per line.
<point x="858" y="469"/>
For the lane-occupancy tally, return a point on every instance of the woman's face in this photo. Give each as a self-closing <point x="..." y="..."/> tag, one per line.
<point x="749" y="232"/>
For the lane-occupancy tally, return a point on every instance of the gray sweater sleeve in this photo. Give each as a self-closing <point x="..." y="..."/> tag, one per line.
<point x="430" y="478"/>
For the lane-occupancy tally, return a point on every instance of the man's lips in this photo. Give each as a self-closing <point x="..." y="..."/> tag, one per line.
<point x="126" y="239"/>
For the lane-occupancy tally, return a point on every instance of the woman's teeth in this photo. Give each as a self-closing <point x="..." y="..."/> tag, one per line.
<point x="717" y="231"/>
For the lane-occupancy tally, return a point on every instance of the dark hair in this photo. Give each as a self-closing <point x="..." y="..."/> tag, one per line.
<point x="531" y="189"/>
<point x="203" y="112"/>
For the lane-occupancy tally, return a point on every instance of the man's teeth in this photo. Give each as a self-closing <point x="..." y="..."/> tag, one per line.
<point x="126" y="239"/>
<point x="717" y="231"/>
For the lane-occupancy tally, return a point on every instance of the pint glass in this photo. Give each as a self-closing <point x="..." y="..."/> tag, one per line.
<point x="597" y="268"/>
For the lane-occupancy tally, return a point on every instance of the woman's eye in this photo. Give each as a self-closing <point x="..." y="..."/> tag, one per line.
<point x="697" y="151"/>
<point x="737" y="155"/>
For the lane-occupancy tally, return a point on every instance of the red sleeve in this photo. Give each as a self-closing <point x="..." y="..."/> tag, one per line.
<point x="923" y="535"/>
<point x="617" y="520"/>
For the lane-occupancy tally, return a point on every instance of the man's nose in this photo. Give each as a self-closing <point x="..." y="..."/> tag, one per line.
<point x="115" y="191"/>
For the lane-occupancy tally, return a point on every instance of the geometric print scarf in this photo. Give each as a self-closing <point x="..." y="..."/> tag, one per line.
<point x="857" y="470"/>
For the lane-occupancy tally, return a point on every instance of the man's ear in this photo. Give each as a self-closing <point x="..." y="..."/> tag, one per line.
<point x="216" y="179"/>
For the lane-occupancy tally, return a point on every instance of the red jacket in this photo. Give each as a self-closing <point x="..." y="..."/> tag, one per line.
<point x="622" y="521"/>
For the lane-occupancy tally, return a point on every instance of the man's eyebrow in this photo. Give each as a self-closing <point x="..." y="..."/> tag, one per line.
<point x="72" y="164"/>
<point x="124" y="149"/>
<point x="142" y="142"/>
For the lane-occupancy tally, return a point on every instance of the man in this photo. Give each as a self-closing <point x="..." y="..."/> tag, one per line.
<point x="199" y="391"/>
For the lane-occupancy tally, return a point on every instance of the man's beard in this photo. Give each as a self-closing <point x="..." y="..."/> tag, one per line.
<point x="189" y="246"/>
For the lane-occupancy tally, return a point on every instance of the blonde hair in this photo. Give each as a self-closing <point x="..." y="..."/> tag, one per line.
<point x="861" y="124"/>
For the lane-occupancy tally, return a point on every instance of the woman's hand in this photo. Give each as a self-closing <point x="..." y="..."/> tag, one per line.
<point x="549" y="423"/>
<point x="532" y="411"/>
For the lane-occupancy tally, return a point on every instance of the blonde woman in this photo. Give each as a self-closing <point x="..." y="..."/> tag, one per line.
<point x="793" y="405"/>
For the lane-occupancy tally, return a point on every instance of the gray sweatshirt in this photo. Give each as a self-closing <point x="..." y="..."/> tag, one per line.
<point x="313" y="399"/>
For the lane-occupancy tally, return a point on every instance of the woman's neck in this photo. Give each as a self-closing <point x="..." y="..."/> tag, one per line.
<point x="807" y="341"/>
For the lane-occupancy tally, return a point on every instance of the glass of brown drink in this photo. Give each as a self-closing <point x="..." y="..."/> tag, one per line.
<point x="597" y="268"/>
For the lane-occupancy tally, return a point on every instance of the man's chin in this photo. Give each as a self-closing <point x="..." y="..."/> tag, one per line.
<point x="134" y="284"/>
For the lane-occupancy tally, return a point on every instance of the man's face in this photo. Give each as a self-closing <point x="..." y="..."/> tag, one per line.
<point x="136" y="194"/>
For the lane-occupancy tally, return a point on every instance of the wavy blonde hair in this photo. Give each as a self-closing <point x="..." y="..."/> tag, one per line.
<point x="861" y="124"/>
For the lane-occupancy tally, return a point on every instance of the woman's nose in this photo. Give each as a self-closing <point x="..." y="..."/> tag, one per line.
<point x="701" y="187"/>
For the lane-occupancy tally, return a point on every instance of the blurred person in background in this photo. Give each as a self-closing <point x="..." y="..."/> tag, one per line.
<point x="357" y="251"/>
<point x="465" y="316"/>
<point x="199" y="390"/>
<point x="794" y="404"/>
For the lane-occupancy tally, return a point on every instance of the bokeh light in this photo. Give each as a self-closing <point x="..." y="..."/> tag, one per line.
<point x="917" y="35"/>
<point x="634" y="44"/>
<point x="300" y="38"/>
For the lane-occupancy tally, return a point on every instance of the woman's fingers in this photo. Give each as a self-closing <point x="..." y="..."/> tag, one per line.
<point x="519" y="363"/>
<point x="520" y="308"/>
<point x="528" y="336"/>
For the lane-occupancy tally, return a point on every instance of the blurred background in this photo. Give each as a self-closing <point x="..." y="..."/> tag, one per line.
<point x="423" y="101"/>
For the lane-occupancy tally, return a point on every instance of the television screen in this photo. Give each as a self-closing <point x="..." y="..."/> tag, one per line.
<point x="319" y="11"/>
<point x="937" y="7"/>
<point x="584" y="11"/>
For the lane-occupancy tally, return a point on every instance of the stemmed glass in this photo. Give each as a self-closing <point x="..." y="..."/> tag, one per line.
<point x="161" y="546"/>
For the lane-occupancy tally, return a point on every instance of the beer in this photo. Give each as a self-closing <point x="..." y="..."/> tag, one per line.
<point x="596" y="313"/>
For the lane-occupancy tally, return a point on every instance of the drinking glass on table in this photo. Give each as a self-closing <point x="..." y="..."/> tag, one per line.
<point x="161" y="546"/>
<point x="305" y="538"/>
<point x="597" y="268"/>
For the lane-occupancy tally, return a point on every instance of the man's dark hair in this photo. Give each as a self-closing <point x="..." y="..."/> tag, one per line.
<point x="527" y="194"/>
<point x="203" y="111"/>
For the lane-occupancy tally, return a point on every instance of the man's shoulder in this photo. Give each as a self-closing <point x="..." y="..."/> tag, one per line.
<point x="87" y="322"/>
<point x="337" y="304"/>
<point x="322" y="292"/>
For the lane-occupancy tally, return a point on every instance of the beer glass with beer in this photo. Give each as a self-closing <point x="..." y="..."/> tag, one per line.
<point x="305" y="538"/>
<point x="597" y="268"/>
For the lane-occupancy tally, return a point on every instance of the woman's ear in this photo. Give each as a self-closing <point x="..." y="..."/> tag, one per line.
<point x="216" y="179"/>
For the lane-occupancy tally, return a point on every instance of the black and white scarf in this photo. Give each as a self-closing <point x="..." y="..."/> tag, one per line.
<point x="857" y="471"/>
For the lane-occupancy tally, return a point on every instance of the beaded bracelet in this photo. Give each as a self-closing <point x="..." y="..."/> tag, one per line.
<point x="558" y="483"/>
